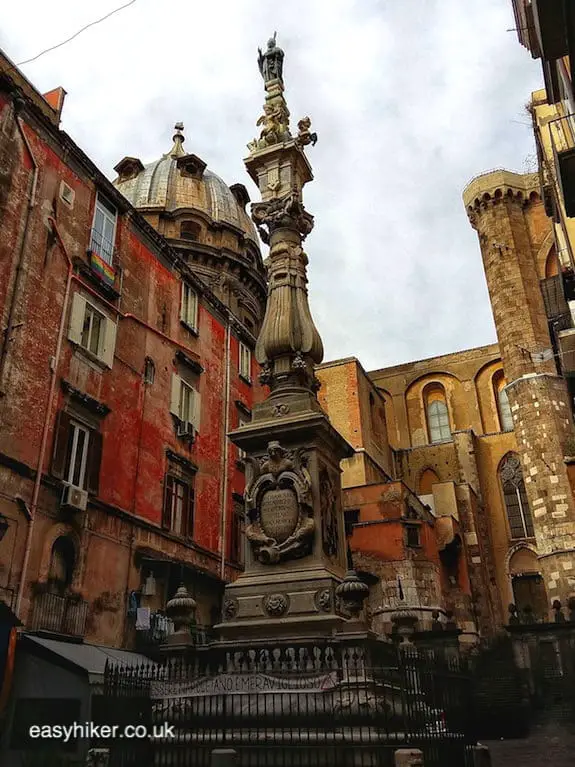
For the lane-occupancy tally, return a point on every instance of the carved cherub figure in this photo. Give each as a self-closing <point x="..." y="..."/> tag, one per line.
<point x="304" y="136"/>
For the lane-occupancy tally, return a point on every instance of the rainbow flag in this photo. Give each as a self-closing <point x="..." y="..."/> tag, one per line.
<point x="104" y="271"/>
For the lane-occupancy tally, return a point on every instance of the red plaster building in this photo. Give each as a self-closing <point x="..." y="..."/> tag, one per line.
<point x="125" y="360"/>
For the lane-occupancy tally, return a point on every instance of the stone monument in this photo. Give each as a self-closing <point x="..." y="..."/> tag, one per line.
<point x="295" y="539"/>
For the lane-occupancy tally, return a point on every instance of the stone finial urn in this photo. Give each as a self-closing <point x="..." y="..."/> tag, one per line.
<point x="352" y="592"/>
<point x="181" y="609"/>
<point x="404" y="625"/>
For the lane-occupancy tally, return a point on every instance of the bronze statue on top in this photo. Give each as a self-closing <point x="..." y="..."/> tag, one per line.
<point x="271" y="62"/>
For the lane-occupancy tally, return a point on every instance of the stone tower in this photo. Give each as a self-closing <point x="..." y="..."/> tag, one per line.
<point x="504" y="209"/>
<point x="293" y="582"/>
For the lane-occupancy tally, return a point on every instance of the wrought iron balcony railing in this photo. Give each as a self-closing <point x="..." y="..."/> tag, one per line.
<point x="61" y="614"/>
<point x="102" y="246"/>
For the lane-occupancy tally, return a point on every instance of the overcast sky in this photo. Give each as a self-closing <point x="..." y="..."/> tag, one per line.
<point x="410" y="100"/>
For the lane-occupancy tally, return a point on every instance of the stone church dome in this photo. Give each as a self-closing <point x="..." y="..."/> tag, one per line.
<point x="200" y="215"/>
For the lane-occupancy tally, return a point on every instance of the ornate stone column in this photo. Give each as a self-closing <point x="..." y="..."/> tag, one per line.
<point x="295" y="540"/>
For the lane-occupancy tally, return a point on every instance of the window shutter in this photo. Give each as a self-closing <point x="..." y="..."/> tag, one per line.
<point x="194" y="300"/>
<point x="77" y="318"/>
<point x="109" y="343"/>
<point x="183" y="301"/>
<point x="175" y="395"/>
<point x="196" y="410"/>
<point x="167" y="508"/>
<point x="61" y="433"/>
<point x="190" y="510"/>
<point x="94" y="461"/>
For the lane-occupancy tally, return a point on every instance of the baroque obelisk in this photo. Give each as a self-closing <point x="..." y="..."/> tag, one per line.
<point x="294" y="581"/>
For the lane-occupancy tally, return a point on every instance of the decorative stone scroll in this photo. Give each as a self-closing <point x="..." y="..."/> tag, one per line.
<point x="279" y="505"/>
<point x="328" y="505"/>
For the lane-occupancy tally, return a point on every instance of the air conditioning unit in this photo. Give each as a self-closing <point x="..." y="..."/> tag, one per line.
<point x="185" y="429"/>
<point x="74" y="498"/>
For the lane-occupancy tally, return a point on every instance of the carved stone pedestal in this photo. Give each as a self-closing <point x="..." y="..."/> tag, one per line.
<point x="295" y="541"/>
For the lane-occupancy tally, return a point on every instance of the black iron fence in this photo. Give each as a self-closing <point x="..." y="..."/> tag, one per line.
<point x="302" y="706"/>
<point x="60" y="614"/>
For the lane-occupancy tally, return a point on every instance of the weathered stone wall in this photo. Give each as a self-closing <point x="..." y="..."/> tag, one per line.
<point x="508" y="215"/>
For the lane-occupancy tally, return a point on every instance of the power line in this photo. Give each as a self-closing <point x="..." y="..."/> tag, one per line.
<point x="79" y="32"/>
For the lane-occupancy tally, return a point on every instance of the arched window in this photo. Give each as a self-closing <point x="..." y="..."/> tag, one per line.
<point x="502" y="401"/>
<point x="437" y="414"/>
<point x="190" y="230"/>
<point x="515" y="497"/>
<point x="62" y="562"/>
<point x="426" y="481"/>
<point x="552" y="263"/>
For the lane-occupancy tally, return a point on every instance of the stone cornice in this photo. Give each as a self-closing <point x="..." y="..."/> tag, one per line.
<point x="189" y="362"/>
<point x="91" y="404"/>
<point x="184" y="462"/>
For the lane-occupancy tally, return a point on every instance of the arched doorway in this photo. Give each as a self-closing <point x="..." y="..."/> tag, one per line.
<point x="527" y="585"/>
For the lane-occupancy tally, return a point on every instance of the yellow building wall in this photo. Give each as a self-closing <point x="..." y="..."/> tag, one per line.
<point x="357" y="410"/>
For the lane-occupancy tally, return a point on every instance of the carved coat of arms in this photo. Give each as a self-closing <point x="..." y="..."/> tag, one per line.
<point x="279" y="505"/>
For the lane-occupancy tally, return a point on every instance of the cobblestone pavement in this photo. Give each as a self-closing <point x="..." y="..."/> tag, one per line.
<point x="549" y="744"/>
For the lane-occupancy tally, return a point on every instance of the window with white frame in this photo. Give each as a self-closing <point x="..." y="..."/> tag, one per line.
<point x="245" y="362"/>
<point x="104" y="230"/>
<point x="92" y="330"/>
<point x="438" y="421"/>
<point x="185" y="402"/>
<point x="189" y="306"/>
<point x="77" y="455"/>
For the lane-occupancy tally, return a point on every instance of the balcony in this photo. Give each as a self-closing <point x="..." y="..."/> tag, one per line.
<point x="562" y="133"/>
<point x="101" y="253"/>
<point x="58" y="614"/>
<point x="550" y="28"/>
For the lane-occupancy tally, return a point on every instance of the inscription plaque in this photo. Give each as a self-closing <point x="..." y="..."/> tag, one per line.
<point x="279" y="513"/>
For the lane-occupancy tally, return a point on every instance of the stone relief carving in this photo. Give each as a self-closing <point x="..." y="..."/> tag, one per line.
<point x="230" y="609"/>
<point x="282" y="211"/>
<point x="281" y="409"/>
<point x="279" y="505"/>
<point x="323" y="600"/>
<point x="328" y="504"/>
<point x="276" y="604"/>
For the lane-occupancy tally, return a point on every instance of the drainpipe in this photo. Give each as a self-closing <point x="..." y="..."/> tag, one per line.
<point x="54" y="363"/>
<point x="225" y="450"/>
<point x="33" y="183"/>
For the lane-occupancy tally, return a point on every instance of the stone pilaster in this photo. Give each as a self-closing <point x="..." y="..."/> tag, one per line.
<point x="499" y="206"/>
